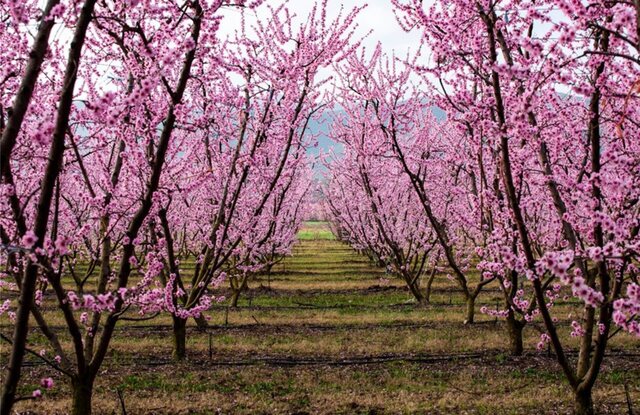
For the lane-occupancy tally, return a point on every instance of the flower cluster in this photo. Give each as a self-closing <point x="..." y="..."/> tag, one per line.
<point x="626" y="312"/>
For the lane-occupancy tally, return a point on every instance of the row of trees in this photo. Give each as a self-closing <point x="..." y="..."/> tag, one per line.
<point x="531" y="179"/>
<point x="135" y="138"/>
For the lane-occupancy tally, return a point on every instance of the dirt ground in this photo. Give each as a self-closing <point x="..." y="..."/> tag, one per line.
<point x="330" y="333"/>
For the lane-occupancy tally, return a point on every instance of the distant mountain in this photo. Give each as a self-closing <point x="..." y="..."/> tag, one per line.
<point x="326" y="144"/>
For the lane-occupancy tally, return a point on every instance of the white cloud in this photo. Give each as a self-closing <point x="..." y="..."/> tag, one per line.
<point x="377" y="17"/>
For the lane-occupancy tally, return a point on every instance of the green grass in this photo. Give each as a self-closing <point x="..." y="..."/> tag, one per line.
<point x="328" y="304"/>
<point x="316" y="231"/>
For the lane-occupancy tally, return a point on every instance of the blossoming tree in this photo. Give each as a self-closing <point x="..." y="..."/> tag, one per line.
<point x="566" y="168"/>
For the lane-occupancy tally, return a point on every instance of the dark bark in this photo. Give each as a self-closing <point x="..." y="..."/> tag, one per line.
<point x="432" y="277"/>
<point x="514" y="202"/>
<point x="82" y="388"/>
<point x="235" y="297"/>
<point x="152" y="186"/>
<point x="583" y="403"/>
<point x="589" y="365"/>
<point x="201" y="322"/>
<point x="470" y="310"/>
<point x="179" y="338"/>
<point x="440" y="229"/>
<point x="238" y="289"/>
<point x="54" y="164"/>
<point x="515" y="335"/>
<point x="269" y="269"/>
<point x="414" y="287"/>
<point x="27" y="85"/>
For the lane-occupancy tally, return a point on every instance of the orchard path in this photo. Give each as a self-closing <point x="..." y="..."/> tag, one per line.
<point x="327" y="334"/>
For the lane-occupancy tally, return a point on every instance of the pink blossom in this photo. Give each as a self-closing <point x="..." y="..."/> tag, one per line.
<point x="29" y="239"/>
<point x="46" y="383"/>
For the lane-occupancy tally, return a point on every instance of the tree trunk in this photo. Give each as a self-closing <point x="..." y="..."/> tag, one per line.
<point x="21" y="332"/>
<point x="52" y="170"/>
<point x="414" y="287"/>
<point x="427" y="295"/>
<point x="179" y="338"/>
<point x="235" y="297"/>
<point x="583" y="402"/>
<point x="471" y="310"/>
<point x="82" y="393"/>
<point x="515" y="335"/>
<point x="237" y="291"/>
<point x="269" y="268"/>
<point x="201" y="322"/>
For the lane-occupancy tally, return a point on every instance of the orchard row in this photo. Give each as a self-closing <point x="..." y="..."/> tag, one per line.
<point x="136" y="137"/>
<point x="509" y="149"/>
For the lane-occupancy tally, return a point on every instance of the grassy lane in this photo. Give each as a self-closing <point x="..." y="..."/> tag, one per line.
<point x="329" y="333"/>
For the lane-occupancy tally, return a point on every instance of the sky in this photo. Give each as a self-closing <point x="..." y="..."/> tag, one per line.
<point x="376" y="23"/>
<point x="377" y="18"/>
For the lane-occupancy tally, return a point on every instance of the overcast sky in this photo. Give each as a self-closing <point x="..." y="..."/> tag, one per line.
<point x="377" y="16"/>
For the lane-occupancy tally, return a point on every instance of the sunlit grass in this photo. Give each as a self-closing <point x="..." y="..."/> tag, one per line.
<point x="316" y="231"/>
<point x="327" y="302"/>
